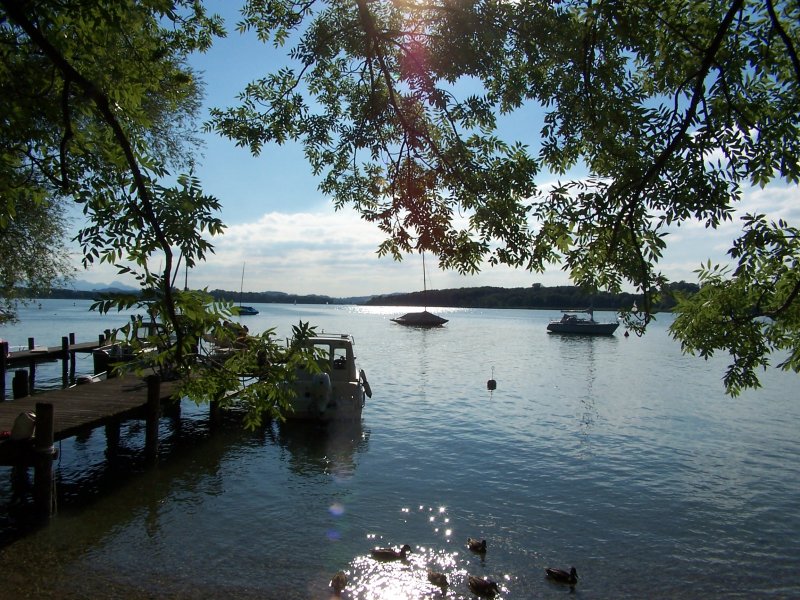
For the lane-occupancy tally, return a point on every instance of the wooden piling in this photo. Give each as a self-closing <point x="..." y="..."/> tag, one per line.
<point x="20" y="384"/>
<point x="31" y="365"/>
<point x="153" y="412"/>
<point x="3" y="367"/>
<point x="112" y="437"/>
<point x="71" y="357"/>
<point x="65" y="361"/>
<point x="44" y="452"/>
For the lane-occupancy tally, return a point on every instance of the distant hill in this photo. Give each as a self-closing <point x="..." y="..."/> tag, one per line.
<point x="536" y="296"/>
<point x="82" y="285"/>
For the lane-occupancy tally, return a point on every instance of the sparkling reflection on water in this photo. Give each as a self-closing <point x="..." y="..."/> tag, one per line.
<point x="618" y="455"/>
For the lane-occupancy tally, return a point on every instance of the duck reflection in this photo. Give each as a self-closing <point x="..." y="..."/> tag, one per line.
<point x="321" y="448"/>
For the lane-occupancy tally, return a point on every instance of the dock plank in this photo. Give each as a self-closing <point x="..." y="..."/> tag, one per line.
<point x="48" y="353"/>
<point x="85" y="407"/>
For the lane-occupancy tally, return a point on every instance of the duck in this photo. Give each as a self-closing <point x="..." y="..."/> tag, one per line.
<point x="562" y="576"/>
<point x="391" y="553"/>
<point x="338" y="582"/>
<point x="483" y="587"/>
<point x="476" y="545"/>
<point x="437" y="579"/>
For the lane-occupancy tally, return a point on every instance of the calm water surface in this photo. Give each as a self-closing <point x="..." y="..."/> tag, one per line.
<point x="617" y="455"/>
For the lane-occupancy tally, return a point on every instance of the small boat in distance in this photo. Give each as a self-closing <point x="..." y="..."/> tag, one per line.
<point x="571" y="323"/>
<point x="420" y="319"/>
<point x="244" y="310"/>
<point x="424" y="318"/>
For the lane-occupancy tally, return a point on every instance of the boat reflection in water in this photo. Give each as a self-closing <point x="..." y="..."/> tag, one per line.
<point x="329" y="448"/>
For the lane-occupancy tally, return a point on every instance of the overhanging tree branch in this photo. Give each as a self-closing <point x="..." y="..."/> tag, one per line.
<point x="103" y="105"/>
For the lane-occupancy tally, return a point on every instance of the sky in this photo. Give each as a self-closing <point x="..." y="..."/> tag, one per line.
<point x="283" y="235"/>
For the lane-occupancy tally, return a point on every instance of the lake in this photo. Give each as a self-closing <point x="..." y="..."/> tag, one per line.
<point x="620" y="456"/>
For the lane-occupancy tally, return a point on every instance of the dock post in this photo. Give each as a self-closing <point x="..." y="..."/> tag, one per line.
<point x="44" y="453"/>
<point x="64" y="360"/>
<point x="3" y="366"/>
<point x="32" y="365"/>
<point x="112" y="438"/>
<point x="214" y="413"/>
<point x="71" y="357"/>
<point x="20" y="384"/>
<point x="153" y="413"/>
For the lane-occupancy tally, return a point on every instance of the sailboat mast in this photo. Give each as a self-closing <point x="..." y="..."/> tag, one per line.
<point x="424" y="283"/>
<point x="241" y="286"/>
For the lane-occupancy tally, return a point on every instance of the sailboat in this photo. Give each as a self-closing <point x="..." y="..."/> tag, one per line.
<point x="244" y="310"/>
<point x="424" y="318"/>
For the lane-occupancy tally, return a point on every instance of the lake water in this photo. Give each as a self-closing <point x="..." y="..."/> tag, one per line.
<point x="617" y="455"/>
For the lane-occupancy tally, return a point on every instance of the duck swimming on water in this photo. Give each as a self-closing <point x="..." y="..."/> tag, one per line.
<point x="562" y="576"/>
<point x="338" y="582"/>
<point x="391" y="553"/>
<point x="437" y="579"/>
<point x="483" y="587"/>
<point x="475" y="545"/>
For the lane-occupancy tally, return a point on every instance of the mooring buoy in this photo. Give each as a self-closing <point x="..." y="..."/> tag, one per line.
<point x="491" y="385"/>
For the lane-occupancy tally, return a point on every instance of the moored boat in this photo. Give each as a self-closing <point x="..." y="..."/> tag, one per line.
<point x="571" y="323"/>
<point x="338" y="391"/>
<point x="420" y="319"/>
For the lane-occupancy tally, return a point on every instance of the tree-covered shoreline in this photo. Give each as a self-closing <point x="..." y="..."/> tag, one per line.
<point x="533" y="297"/>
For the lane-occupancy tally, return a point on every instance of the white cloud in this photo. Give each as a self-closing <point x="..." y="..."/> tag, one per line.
<point x="322" y="251"/>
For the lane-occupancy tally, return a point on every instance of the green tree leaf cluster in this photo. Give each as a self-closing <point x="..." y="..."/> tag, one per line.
<point x="670" y="108"/>
<point x="98" y="107"/>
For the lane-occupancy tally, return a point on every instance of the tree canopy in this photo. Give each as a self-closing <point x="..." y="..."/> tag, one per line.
<point x="97" y="106"/>
<point x="667" y="109"/>
<point x="654" y="114"/>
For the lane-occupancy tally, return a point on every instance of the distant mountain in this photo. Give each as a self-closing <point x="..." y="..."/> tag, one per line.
<point x="89" y="286"/>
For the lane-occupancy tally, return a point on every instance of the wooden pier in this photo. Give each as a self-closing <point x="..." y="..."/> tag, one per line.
<point x="34" y="355"/>
<point x="61" y="414"/>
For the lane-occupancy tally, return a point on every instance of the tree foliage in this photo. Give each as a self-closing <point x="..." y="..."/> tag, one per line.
<point x="97" y="105"/>
<point x="35" y="226"/>
<point x="670" y="108"/>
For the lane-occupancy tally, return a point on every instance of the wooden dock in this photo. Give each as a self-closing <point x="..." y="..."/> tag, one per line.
<point x="60" y="414"/>
<point x="34" y="355"/>
<point x="49" y="353"/>
<point x="83" y="407"/>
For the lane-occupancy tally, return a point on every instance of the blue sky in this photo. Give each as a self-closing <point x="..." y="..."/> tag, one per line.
<point x="288" y="237"/>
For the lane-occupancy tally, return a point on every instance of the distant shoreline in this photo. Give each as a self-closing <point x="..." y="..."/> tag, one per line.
<point x="534" y="297"/>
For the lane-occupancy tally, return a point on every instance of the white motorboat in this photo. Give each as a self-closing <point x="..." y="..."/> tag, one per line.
<point x="339" y="391"/>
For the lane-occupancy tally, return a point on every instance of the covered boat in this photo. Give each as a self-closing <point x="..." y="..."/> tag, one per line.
<point x="423" y="318"/>
<point x="338" y="392"/>
<point x="420" y="319"/>
<point x="571" y="323"/>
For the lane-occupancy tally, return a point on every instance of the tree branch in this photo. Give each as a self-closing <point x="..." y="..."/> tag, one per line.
<point x="103" y="105"/>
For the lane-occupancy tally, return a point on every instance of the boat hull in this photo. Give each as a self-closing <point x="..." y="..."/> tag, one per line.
<point x="420" y="319"/>
<point x="317" y="401"/>
<point x="582" y="328"/>
<point x="338" y="391"/>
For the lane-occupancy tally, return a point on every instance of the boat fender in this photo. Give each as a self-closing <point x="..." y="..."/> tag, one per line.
<point x="24" y="426"/>
<point x="365" y="383"/>
<point x="321" y="391"/>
